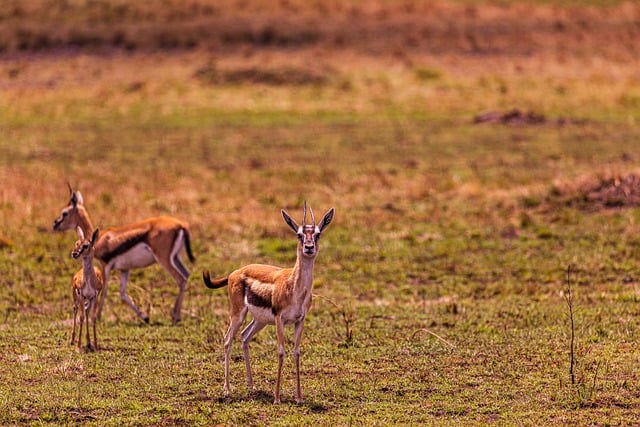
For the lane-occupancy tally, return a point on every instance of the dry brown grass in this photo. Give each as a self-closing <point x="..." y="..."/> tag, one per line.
<point x="373" y="27"/>
<point x="443" y="55"/>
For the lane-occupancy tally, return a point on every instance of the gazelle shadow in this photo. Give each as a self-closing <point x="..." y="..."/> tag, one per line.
<point x="267" y="398"/>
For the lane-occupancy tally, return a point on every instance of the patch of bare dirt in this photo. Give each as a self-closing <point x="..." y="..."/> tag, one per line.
<point x="512" y="117"/>
<point x="272" y="76"/>
<point x="517" y="117"/>
<point x="601" y="193"/>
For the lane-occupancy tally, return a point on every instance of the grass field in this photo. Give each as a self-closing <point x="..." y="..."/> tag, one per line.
<point x="441" y="285"/>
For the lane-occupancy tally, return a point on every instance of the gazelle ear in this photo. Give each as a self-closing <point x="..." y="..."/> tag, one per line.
<point x="290" y="221"/>
<point x="326" y="219"/>
<point x="79" y="199"/>
<point x="94" y="238"/>
<point x="80" y="233"/>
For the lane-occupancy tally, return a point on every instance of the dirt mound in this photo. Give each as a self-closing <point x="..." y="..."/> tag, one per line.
<point x="517" y="117"/>
<point x="602" y="193"/>
<point x="279" y="76"/>
<point x="512" y="117"/>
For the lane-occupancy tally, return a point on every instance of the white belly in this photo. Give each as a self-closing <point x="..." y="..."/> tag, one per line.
<point x="138" y="256"/>
<point x="262" y="314"/>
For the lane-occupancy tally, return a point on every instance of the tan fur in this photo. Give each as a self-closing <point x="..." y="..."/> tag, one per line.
<point x="273" y="295"/>
<point x="87" y="284"/>
<point x="159" y="239"/>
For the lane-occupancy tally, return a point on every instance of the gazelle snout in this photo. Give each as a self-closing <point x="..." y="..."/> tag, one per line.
<point x="77" y="252"/>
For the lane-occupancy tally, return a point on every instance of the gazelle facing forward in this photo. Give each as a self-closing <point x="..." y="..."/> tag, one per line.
<point x="87" y="286"/>
<point x="137" y="245"/>
<point x="273" y="295"/>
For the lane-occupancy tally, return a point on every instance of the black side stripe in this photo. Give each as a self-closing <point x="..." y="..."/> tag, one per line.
<point x="123" y="248"/>
<point x="255" y="299"/>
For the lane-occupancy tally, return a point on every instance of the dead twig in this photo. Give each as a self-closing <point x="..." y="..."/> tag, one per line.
<point x="433" y="334"/>
<point x="348" y="319"/>
<point x="568" y="297"/>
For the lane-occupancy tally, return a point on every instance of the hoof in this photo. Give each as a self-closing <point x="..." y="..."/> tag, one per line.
<point x="146" y="319"/>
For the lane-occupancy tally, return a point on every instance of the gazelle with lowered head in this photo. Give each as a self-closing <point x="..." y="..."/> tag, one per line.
<point x="87" y="283"/>
<point x="138" y="245"/>
<point x="273" y="295"/>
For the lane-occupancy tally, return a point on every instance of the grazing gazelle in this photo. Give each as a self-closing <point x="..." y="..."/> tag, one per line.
<point x="138" y="245"/>
<point x="273" y="295"/>
<point x="87" y="286"/>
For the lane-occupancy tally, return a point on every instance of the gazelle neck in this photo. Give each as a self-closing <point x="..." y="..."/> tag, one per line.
<point x="84" y="221"/>
<point x="87" y="266"/>
<point x="303" y="272"/>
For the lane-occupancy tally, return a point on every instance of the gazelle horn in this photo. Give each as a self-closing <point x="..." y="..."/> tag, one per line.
<point x="304" y="213"/>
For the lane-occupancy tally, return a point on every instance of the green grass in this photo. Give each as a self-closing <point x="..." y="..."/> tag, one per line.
<point x="439" y="285"/>
<point x="411" y="253"/>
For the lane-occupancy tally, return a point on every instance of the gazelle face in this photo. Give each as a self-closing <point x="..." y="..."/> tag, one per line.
<point x="81" y="249"/>
<point x="68" y="219"/>
<point x="84" y="247"/>
<point x="308" y="234"/>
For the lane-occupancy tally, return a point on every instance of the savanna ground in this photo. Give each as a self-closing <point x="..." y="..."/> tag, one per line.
<point x="441" y="284"/>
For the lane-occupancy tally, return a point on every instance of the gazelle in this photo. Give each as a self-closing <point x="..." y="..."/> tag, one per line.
<point x="273" y="295"/>
<point x="87" y="286"/>
<point x="138" y="245"/>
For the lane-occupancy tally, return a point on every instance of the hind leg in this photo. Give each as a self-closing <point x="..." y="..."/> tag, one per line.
<point x="247" y="334"/>
<point x="234" y="326"/>
<point x="179" y="272"/>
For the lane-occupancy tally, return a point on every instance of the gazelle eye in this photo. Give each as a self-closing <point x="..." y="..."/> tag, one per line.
<point x="64" y="214"/>
<point x="300" y="236"/>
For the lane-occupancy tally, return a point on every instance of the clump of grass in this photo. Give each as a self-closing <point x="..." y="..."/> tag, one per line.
<point x="273" y="76"/>
<point x="426" y="74"/>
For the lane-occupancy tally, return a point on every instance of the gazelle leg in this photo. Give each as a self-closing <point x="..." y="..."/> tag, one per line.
<point x="124" y="278"/>
<point x="179" y="272"/>
<point x="247" y="334"/>
<point x="234" y="325"/>
<point x="280" y="336"/>
<point x="94" y="315"/>
<point x="75" y="317"/>
<point x="87" y="305"/>
<point x="173" y="264"/>
<point x="105" y="274"/>
<point x="296" y="357"/>
<point x="80" y="331"/>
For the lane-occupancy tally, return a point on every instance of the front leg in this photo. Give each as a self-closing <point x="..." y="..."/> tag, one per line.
<point x="94" y="318"/>
<point x="280" y="335"/>
<point x="297" y="337"/>
<point x="86" y="305"/>
<point x="124" y="278"/>
<point x="75" y="318"/>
